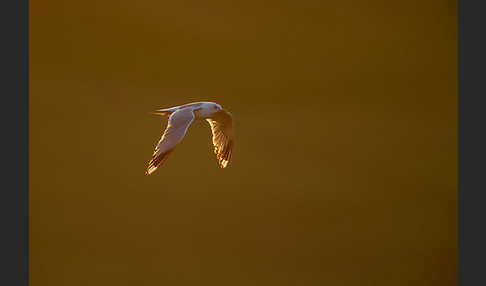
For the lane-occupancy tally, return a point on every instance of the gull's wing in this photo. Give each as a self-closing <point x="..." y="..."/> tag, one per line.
<point x="222" y="128"/>
<point x="177" y="127"/>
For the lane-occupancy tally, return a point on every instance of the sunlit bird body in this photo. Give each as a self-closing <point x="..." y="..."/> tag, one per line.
<point x="181" y="117"/>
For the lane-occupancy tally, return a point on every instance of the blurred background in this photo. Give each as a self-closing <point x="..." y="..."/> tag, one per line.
<point x="344" y="169"/>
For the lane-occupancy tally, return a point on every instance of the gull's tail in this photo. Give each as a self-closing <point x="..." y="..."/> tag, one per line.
<point x="165" y="111"/>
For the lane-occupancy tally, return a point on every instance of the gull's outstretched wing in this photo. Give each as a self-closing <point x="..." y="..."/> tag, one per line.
<point x="222" y="128"/>
<point x="177" y="127"/>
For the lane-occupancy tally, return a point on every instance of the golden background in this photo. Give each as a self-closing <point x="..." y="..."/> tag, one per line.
<point x="344" y="169"/>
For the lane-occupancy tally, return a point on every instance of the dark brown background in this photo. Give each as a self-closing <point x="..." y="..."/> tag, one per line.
<point x="344" y="172"/>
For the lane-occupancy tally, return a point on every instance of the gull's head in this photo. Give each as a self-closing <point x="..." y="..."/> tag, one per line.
<point x="207" y="109"/>
<point x="212" y="106"/>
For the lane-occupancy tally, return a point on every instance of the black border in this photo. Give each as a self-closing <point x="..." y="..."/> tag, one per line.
<point x="14" y="194"/>
<point x="471" y="113"/>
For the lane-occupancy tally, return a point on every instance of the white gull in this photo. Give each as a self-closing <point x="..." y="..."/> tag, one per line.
<point x="181" y="117"/>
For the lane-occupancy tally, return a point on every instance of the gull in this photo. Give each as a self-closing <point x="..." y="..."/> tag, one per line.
<point x="181" y="117"/>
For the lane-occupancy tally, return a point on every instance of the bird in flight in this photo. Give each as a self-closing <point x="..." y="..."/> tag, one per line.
<point x="181" y="117"/>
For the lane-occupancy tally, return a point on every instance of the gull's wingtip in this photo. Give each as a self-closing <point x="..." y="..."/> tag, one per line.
<point x="223" y="164"/>
<point x="150" y="170"/>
